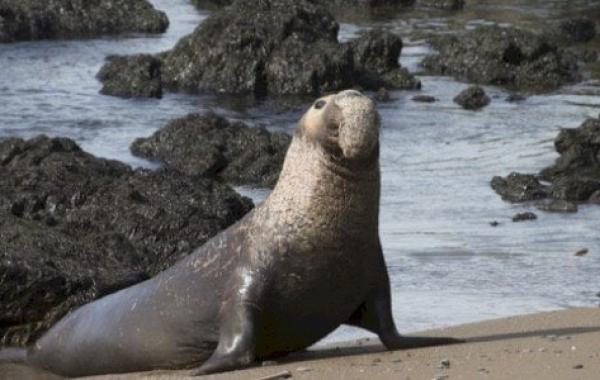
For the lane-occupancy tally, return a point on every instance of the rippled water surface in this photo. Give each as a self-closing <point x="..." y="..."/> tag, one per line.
<point x="447" y="264"/>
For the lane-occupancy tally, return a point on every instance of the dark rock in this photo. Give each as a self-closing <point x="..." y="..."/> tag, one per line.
<point x="583" y="54"/>
<point x="574" y="177"/>
<point x="377" y="50"/>
<point x="111" y="227"/>
<point x="518" y="187"/>
<point x="553" y="205"/>
<point x="370" y="3"/>
<point x="472" y="98"/>
<point x="505" y="57"/>
<point x="279" y="47"/>
<point x="582" y="252"/>
<point x="376" y="55"/>
<point x="595" y="198"/>
<point x="333" y="4"/>
<point x="573" y="188"/>
<point x="211" y="146"/>
<point x="494" y="223"/>
<point x="34" y="19"/>
<point x="524" y="216"/>
<point x="578" y="366"/>
<point x="515" y="98"/>
<point x="211" y="4"/>
<point x="451" y="5"/>
<point x="577" y="30"/>
<point x="383" y="95"/>
<point x="298" y="68"/>
<point x="256" y="47"/>
<point x="579" y="150"/>
<point x="131" y="76"/>
<point x="423" y="99"/>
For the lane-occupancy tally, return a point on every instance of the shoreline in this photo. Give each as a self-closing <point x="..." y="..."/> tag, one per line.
<point x="562" y="344"/>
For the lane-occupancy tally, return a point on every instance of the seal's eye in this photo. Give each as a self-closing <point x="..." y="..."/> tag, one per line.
<point x="320" y="104"/>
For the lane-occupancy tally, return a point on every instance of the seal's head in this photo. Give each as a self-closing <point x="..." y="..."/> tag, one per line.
<point x="346" y="125"/>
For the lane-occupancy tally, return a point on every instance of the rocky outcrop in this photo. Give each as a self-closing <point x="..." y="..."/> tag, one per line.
<point x="74" y="227"/>
<point x="579" y="150"/>
<point x="33" y="19"/>
<point x="574" y="30"/>
<point x="574" y="177"/>
<point x="376" y="63"/>
<point x="505" y="57"/>
<point x="332" y="4"/>
<point x="424" y="99"/>
<point x="472" y="98"/>
<point x="211" y="4"/>
<point x="518" y="187"/>
<point x="524" y="216"/>
<point x="212" y="146"/>
<point x="135" y="76"/>
<point x="450" y="5"/>
<point x="278" y="47"/>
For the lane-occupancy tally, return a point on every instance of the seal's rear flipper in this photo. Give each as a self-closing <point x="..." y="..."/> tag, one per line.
<point x="13" y="355"/>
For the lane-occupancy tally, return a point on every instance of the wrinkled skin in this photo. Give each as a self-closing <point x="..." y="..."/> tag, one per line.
<point x="291" y="271"/>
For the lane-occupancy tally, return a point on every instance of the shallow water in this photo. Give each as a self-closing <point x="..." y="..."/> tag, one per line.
<point x="447" y="264"/>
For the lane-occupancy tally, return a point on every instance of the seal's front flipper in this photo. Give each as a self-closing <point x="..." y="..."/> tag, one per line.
<point x="239" y="317"/>
<point x="375" y="315"/>
<point x="237" y="341"/>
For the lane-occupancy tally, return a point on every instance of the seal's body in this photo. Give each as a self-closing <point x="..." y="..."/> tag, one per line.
<point x="291" y="271"/>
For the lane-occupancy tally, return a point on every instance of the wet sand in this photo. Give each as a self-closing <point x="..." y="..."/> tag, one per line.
<point x="553" y="345"/>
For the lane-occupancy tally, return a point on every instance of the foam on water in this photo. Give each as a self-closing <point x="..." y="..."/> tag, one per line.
<point x="447" y="264"/>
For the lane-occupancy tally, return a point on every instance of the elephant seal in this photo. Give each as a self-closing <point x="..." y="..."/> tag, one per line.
<point x="305" y="261"/>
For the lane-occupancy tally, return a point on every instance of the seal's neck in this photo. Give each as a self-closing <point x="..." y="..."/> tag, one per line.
<point x="314" y="181"/>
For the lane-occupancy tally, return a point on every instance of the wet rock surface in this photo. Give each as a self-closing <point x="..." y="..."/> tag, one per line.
<point x="131" y="77"/>
<point x="424" y="99"/>
<point x="256" y="48"/>
<point x="74" y="227"/>
<point x="211" y="4"/>
<point x="573" y="178"/>
<point x="451" y="5"/>
<point x="518" y="187"/>
<point x="332" y="4"/>
<point x="376" y="55"/>
<point x="553" y="205"/>
<point x="33" y="19"/>
<point x="212" y="146"/>
<point x="513" y="98"/>
<point x="279" y="47"/>
<point x="574" y="30"/>
<point x="508" y="57"/>
<point x="579" y="150"/>
<point x="524" y="216"/>
<point x="472" y="98"/>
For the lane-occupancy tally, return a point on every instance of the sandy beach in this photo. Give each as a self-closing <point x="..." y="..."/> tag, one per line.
<point x="552" y="345"/>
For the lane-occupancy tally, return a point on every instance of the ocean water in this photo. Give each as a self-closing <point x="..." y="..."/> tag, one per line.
<point x="447" y="264"/>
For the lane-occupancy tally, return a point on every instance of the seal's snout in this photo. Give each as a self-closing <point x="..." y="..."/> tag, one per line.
<point x="359" y="124"/>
